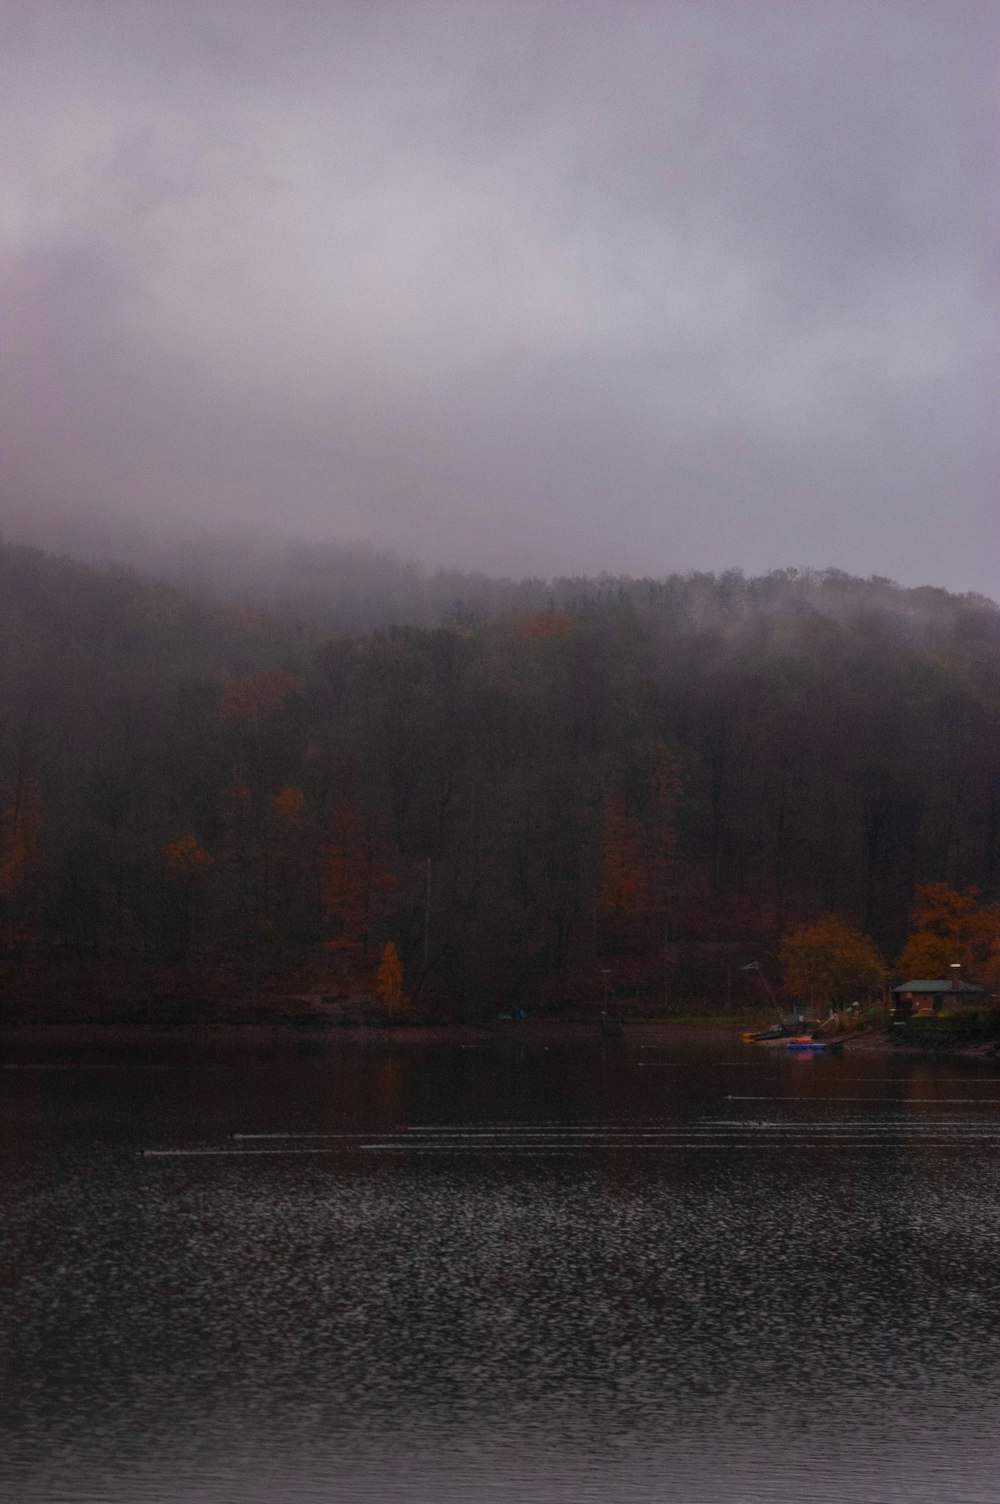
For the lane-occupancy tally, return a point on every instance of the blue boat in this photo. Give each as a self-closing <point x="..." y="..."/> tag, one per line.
<point x="805" y="1045"/>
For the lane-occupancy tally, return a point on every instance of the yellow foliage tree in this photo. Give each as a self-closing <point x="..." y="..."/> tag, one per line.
<point x="829" y="963"/>
<point x="389" y="980"/>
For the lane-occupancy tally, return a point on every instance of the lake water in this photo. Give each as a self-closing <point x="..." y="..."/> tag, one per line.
<point x="532" y="1269"/>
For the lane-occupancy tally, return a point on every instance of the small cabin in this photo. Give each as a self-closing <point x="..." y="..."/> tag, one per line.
<point x="931" y="997"/>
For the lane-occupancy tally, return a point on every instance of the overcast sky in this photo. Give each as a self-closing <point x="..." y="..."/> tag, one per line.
<point x="543" y="287"/>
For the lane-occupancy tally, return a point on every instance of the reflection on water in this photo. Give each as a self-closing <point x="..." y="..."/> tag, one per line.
<point x="532" y="1270"/>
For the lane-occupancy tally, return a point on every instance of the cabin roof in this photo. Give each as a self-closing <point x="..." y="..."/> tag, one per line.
<point x="937" y="986"/>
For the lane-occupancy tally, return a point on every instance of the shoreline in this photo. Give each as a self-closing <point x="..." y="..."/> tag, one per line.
<point x="881" y="1042"/>
<point x="649" y="1031"/>
<point x="642" y="1032"/>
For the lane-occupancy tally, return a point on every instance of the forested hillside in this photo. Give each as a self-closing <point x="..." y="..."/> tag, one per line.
<point x="637" y="785"/>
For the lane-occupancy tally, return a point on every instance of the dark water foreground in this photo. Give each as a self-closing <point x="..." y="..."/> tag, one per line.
<point x="526" y="1270"/>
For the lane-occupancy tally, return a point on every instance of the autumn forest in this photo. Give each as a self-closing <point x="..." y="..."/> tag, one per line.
<point x="212" y="808"/>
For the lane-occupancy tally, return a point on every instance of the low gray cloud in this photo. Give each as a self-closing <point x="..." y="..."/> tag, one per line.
<point x="538" y="287"/>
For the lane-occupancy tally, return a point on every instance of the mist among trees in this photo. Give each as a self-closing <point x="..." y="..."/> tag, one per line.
<point x="515" y="794"/>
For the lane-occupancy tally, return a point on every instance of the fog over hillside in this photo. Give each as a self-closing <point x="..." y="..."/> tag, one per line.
<point x="358" y="589"/>
<point x="653" y="777"/>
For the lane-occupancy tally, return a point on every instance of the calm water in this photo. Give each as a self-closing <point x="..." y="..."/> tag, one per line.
<point x="526" y="1271"/>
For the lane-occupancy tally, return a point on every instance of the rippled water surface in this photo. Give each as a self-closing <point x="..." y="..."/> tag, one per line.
<point x="533" y="1269"/>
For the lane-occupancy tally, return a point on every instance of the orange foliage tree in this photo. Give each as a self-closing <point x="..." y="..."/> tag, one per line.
<point x="186" y="860"/>
<point x="829" y="963"/>
<point x="952" y="927"/>
<point x="948" y="927"/>
<point x="389" y="980"/>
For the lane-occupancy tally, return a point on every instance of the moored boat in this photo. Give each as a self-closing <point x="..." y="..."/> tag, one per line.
<point x="804" y="1044"/>
<point x="764" y="1036"/>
